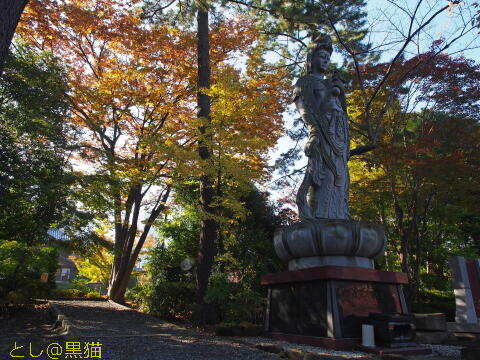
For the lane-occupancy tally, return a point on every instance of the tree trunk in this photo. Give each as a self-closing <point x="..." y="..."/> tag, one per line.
<point x="10" y="12"/>
<point x="118" y="286"/>
<point x="119" y="281"/>
<point x="208" y="227"/>
<point x="127" y="250"/>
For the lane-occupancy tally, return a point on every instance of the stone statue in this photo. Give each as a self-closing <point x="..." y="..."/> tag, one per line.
<point x="326" y="235"/>
<point x="321" y="104"/>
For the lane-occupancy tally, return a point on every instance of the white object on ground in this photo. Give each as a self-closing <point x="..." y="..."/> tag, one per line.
<point x="368" y="338"/>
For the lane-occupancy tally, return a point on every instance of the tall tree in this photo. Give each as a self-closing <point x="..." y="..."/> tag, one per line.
<point x="396" y="31"/>
<point x="129" y="96"/>
<point x="418" y="17"/>
<point x="208" y="227"/>
<point x="34" y="173"/>
<point x="212" y="147"/>
<point x="290" y="26"/>
<point x="35" y="177"/>
<point x="133" y="100"/>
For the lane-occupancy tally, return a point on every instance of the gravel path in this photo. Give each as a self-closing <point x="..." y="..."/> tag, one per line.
<point x="128" y="334"/>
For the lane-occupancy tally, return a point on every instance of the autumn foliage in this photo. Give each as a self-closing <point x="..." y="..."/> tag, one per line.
<point x="132" y="94"/>
<point x="421" y="181"/>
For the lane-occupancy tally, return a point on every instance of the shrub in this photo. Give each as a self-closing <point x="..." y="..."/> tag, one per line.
<point x="80" y="283"/>
<point x="169" y="300"/>
<point x="68" y="293"/>
<point x="238" y="302"/>
<point x="95" y="296"/>
<point x="435" y="301"/>
<point x="433" y="281"/>
<point x="20" y="269"/>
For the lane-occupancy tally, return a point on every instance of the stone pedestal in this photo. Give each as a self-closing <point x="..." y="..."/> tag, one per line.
<point x="330" y="242"/>
<point x="327" y="305"/>
<point x="331" y="287"/>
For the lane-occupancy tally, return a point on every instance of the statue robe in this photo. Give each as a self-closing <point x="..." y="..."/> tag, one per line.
<point x="323" y="193"/>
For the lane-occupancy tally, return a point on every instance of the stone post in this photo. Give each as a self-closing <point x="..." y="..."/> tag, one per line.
<point x="465" y="307"/>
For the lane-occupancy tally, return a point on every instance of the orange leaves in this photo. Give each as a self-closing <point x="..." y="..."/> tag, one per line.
<point x="133" y="88"/>
<point x="129" y="91"/>
<point x="230" y="38"/>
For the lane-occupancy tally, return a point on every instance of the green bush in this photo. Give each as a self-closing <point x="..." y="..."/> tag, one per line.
<point x="20" y="269"/>
<point x="169" y="300"/>
<point x="436" y="301"/>
<point x="433" y="281"/>
<point x="76" y="293"/>
<point x="95" y="296"/>
<point x="80" y="283"/>
<point x="68" y="293"/>
<point x="238" y="302"/>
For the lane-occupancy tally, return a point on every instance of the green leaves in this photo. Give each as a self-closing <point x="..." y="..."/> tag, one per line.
<point x="33" y="137"/>
<point x="20" y="270"/>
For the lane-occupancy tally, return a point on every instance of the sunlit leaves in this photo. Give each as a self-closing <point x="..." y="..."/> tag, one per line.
<point x="133" y="94"/>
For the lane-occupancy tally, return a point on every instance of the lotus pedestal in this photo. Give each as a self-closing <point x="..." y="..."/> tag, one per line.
<point x="331" y="286"/>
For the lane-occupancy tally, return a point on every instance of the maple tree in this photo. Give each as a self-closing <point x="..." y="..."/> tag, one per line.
<point x="129" y="98"/>
<point x="96" y="266"/>
<point x="396" y="31"/>
<point x="134" y="102"/>
<point x="420" y="182"/>
<point x="393" y="76"/>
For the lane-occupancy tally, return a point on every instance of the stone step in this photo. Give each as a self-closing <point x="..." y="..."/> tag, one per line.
<point x="463" y="327"/>
<point x="430" y="322"/>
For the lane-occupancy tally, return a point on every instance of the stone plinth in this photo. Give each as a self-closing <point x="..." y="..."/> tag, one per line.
<point x="330" y="242"/>
<point x="430" y="322"/>
<point x="329" y="304"/>
<point x="462" y="272"/>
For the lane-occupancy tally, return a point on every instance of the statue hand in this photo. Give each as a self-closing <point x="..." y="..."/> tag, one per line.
<point x="338" y="83"/>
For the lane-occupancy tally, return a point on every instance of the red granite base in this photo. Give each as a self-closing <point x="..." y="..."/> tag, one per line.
<point x="340" y="300"/>
<point x="329" y="343"/>
<point x="337" y="273"/>
<point x="411" y="350"/>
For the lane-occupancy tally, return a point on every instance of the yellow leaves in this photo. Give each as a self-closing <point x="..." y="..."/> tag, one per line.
<point x="361" y="172"/>
<point x="96" y="265"/>
<point x="133" y="89"/>
<point x="246" y="118"/>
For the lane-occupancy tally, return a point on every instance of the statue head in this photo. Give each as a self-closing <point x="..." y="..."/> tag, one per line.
<point x="323" y="43"/>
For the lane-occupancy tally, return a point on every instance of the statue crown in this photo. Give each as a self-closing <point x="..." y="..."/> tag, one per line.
<point x="322" y="42"/>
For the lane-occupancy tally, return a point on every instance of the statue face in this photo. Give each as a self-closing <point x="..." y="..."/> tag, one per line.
<point x="320" y="61"/>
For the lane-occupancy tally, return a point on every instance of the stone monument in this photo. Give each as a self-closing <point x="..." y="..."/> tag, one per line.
<point x="331" y="286"/>
<point x="466" y="286"/>
<point x="326" y="235"/>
